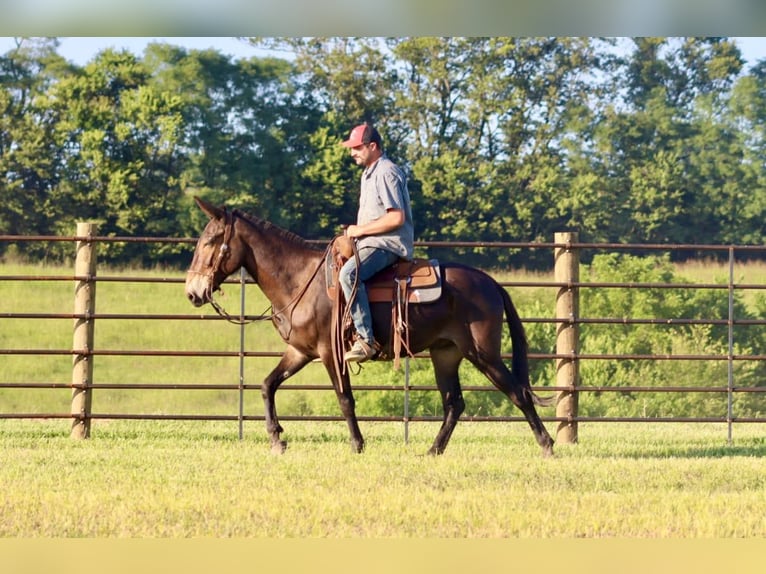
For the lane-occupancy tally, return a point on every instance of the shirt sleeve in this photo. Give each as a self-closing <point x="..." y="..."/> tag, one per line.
<point x="390" y="190"/>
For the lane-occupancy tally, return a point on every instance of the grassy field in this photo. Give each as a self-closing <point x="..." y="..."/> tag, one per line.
<point x="190" y="479"/>
<point x="171" y="480"/>
<point x="129" y="335"/>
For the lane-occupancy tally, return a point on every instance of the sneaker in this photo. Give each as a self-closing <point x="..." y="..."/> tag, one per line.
<point x="360" y="352"/>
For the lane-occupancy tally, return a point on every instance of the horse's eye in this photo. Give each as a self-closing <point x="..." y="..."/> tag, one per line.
<point x="210" y="239"/>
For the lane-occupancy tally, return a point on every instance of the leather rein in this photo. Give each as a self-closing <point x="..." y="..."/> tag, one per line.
<point x="223" y="253"/>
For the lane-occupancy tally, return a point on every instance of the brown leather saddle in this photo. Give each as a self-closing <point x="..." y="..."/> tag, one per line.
<point x="420" y="280"/>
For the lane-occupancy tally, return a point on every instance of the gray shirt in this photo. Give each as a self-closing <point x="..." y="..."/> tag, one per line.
<point x="384" y="187"/>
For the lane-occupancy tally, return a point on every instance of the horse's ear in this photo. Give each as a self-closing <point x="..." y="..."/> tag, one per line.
<point x="209" y="209"/>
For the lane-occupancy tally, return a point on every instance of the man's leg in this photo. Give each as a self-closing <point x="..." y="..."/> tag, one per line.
<point x="370" y="262"/>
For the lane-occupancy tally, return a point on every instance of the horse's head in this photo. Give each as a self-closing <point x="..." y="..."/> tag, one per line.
<point x="216" y="256"/>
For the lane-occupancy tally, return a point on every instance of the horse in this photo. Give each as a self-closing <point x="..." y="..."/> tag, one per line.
<point x="465" y="322"/>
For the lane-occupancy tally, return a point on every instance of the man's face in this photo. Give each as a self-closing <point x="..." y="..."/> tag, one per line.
<point x="364" y="154"/>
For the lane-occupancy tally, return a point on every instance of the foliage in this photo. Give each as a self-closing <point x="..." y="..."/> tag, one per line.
<point x="661" y="340"/>
<point x="121" y="142"/>
<point x="503" y="139"/>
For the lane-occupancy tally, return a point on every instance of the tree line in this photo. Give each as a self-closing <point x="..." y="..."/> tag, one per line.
<point x="633" y="140"/>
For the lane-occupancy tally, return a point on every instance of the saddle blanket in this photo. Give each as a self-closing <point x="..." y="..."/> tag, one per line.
<point x="423" y="277"/>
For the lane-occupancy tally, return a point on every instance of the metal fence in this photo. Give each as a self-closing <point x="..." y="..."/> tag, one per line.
<point x="565" y="250"/>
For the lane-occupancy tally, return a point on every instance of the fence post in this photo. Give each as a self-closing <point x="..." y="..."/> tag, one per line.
<point x="567" y="270"/>
<point x="82" y="344"/>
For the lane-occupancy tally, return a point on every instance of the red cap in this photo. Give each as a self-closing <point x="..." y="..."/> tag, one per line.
<point x="362" y="134"/>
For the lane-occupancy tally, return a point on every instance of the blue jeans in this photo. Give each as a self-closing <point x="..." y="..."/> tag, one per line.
<point x="370" y="262"/>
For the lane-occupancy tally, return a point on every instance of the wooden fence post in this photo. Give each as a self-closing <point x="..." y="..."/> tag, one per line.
<point x="85" y="305"/>
<point x="566" y="270"/>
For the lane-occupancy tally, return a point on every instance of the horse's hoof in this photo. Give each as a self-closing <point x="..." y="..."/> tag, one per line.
<point x="279" y="447"/>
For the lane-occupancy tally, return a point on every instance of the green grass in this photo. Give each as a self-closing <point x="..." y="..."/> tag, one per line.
<point x="190" y="479"/>
<point x="150" y="479"/>
<point x="744" y="272"/>
<point x="165" y="335"/>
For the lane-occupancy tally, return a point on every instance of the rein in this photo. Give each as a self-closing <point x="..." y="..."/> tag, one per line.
<point x="341" y="311"/>
<point x="223" y="253"/>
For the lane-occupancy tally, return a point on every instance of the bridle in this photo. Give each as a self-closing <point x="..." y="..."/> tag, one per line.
<point x="224" y="252"/>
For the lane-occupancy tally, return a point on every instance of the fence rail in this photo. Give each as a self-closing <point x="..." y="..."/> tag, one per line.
<point x="568" y="357"/>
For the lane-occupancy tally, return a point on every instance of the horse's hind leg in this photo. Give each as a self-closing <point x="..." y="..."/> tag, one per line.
<point x="446" y="361"/>
<point x="291" y="362"/>
<point x="521" y="396"/>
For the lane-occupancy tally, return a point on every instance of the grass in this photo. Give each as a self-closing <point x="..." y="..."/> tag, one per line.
<point x="195" y="479"/>
<point x="744" y="272"/>
<point x="154" y="335"/>
<point x="175" y="480"/>
<point x="706" y="271"/>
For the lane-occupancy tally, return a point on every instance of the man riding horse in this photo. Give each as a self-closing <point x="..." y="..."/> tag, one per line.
<point x="465" y="320"/>
<point x="384" y="231"/>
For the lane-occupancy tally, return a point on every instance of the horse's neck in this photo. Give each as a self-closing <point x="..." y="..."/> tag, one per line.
<point x="280" y="265"/>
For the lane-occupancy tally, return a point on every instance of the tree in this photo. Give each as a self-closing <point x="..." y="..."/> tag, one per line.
<point x="121" y="142"/>
<point x="747" y="118"/>
<point x="246" y="128"/>
<point x="660" y="141"/>
<point x="510" y="139"/>
<point x="491" y="119"/>
<point x="339" y="83"/>
<point x="29" y="157"/>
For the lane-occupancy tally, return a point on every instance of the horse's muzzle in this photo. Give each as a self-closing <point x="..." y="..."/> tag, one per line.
<point x="195" y="299"/>
<point x="197" y="289"/>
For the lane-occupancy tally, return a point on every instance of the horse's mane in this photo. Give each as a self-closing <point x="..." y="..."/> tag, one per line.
<point x="273" y="229"/>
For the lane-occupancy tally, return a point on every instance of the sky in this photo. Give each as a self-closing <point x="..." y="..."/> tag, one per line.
<point x="81" y="50"/>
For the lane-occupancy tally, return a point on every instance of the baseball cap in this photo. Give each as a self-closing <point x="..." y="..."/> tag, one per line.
<point x="362" y="134"/>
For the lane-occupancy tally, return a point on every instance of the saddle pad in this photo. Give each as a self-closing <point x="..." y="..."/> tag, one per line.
<point x="425" y="284"/>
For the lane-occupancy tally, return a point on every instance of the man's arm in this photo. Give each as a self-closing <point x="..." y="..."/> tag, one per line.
<point x="393" y="219"/>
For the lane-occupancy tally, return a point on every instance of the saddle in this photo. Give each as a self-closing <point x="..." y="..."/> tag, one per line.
<point x="415" y="281"/>
<point x="406" y="282"/>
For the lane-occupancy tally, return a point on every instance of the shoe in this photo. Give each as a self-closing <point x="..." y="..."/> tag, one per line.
<point x="360" y="352"/>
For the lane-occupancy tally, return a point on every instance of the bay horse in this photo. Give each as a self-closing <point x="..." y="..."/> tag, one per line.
<point x="465" y="322"/>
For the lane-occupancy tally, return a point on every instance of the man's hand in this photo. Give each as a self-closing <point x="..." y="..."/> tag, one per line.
<point x="354" y="231"/>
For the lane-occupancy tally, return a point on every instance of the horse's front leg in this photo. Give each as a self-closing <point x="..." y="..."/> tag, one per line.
<point x="342" y="385"/>
<point x="291" y="362"/>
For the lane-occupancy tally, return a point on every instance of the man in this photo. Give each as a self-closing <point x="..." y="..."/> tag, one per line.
<point x="384" y="230"/>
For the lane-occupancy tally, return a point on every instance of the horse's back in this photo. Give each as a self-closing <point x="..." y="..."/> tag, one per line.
<point x="468" y="295"/>
<point x="466" y="282"/>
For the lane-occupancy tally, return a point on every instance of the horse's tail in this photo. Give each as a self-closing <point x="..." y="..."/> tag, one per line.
<point x="520" y="360"/>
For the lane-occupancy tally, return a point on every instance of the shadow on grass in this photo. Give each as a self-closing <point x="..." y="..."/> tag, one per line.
<point x="514" y="441"/>
<point x="705" y="451"/>
<point x="740" y="448"/>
